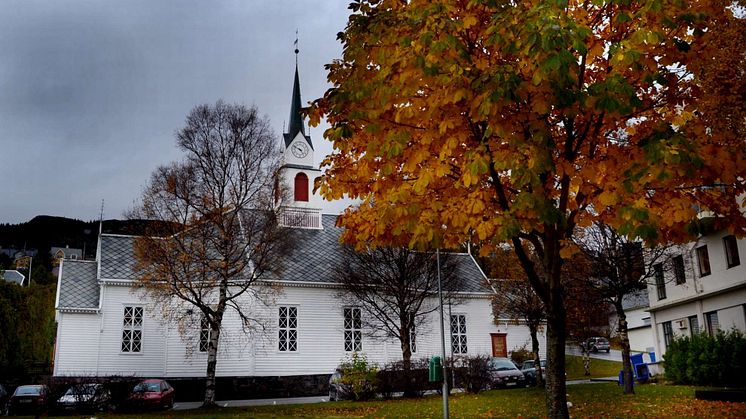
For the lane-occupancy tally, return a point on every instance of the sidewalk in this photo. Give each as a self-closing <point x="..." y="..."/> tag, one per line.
<point x="254" y="402"/>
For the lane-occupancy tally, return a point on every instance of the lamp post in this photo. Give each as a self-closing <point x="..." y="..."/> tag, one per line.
<point x="442" y="339"/>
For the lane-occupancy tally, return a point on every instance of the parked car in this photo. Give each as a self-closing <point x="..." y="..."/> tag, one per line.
<point x="337" y="390"/>
<point x="152" y="393"/>
<point x="596" y="344"/>
<point x="29" y="399"/>
<point x="528" y="368"/>
<point x="504" y="373"/>
<point x="85" y="398"/>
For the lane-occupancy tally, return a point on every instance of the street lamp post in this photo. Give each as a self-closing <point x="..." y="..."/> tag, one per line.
<point x="442" y="338"/>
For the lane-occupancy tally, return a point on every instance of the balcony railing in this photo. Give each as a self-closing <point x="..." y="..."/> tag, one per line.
<point x="300" y="217"/>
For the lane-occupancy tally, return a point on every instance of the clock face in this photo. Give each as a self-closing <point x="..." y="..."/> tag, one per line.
<point x="299" y="149"/>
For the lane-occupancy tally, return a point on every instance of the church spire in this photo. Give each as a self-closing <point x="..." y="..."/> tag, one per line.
<point x="296" y="119"/>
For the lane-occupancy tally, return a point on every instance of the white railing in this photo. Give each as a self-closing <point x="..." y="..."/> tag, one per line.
<point x="300" y="217"/>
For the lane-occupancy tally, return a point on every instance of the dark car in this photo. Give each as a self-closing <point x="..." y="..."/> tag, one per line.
<point x="504" y="373"/>
<point x="85" y="398"/>
<point x="528" y="368"/>
<point x="596" y="344"/>
<point x="337" y="390"/>
<point x="152" y="393"/>
<point x="30" y="399"/>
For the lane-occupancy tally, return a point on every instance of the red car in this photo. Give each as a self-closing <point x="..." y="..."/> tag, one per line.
<point x="152" y="393"/>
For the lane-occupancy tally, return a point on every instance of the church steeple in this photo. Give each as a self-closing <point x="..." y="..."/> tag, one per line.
<point x="296" y="119"/>
<point x="296" y="124"/>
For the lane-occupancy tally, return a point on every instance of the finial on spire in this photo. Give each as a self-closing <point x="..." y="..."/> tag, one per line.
<point x="296" y="47"/>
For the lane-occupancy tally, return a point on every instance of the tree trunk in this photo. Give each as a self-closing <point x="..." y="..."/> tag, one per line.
<point x="556" y="393"/>
<point x="212" y="361"/>
<point x="406" y="356"/>
<point x="586" y="359"/>
<point x="626" y="362"/>
<point x="533" y="329"/>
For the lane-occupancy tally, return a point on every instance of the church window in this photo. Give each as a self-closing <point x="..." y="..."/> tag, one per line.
<point x="204" y="334"/>
<point x="132" y="329"/>
<point x="353" y="329"/>
<point x="458" y="334"/>
<point x="301" y="187"/>
<point x="288" y="329"/>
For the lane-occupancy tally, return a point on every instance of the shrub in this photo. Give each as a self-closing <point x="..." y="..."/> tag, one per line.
<point x="707" y="360"/>
<point x="472" y="373"/>
<point x="521" y="354"/>
<point x="393" y="377"/>
<point x="358" y="377"/>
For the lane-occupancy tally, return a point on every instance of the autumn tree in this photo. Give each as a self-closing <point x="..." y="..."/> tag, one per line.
<point x="216" y="233"/>
<point x="397" y="290"/>
<point x="517" y="122"/>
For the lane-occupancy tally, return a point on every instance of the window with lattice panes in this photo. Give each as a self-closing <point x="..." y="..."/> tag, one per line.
<point x="288" y="329"/>
<point x="204" y="334"/>
<point x="353" y="329"/>
<point x="132" y="329"/>
<point x="458" y="334"/>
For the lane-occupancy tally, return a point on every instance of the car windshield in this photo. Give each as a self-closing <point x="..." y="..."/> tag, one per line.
<point x="80" y="390"/>
<point x="28" y="391"/>
<point x="502" y="364"/>
<point x="147" y="387"/>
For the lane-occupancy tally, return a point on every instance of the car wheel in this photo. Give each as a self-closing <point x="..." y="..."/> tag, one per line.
<point x="594" y="350"/>
<point x="608" y="350"/>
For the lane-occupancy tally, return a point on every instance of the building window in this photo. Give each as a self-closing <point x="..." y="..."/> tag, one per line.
<point x="204" y="334"/>
<point x="353" y="329"/>
<point x="288" y="330"/>
<point x="678" y="269"/>
<point x="731" y="251"/>
<point x="132" y="329"/>
<point x="660" y="284"/>
<point x="458" y="334"/>
<point x="703" y="259"/>
<point x="712" y="323"/>
<point x="693" y="325"/>
<point x="667" y="333"/>
<point x="301" y="187"/>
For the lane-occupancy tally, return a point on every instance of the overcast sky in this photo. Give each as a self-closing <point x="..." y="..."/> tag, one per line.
<point x="91" y="92"/>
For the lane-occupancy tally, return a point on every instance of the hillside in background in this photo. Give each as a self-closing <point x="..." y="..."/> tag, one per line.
<point x="44" y="231"/>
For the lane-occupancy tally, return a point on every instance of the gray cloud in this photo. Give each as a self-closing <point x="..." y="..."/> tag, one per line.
<point x="91" y="92"/>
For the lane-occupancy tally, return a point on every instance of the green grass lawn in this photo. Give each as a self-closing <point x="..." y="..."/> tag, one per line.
<point x="599" y="368"/>
<point x="589" y="400"/>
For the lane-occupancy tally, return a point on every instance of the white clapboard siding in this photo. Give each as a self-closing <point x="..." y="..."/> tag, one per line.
<point x="76" y="346"/>
<point x="90" y="343"/>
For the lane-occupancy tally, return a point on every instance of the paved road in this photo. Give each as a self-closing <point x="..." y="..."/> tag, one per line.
<point x="613" y="355"/>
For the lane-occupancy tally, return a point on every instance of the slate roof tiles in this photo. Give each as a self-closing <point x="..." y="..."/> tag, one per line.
<point x="79" y="286"/>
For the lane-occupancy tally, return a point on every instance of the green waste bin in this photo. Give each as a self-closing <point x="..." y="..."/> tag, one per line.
<point x="436" y="370"/>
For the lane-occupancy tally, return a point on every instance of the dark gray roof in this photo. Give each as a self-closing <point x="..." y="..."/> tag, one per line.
<point x="637" y="299"/>
<point x="317" y="252"/>
<point x="78" y="284"/>
<point x="117" y="257"/>
<point x="14" y="276"/>
<point x="295" y="125"/>
<point x="313" y="259"/>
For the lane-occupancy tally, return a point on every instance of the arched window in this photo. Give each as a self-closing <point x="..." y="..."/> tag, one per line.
<point x="301" y="187"/>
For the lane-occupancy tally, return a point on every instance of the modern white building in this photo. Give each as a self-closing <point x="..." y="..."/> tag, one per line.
<point x="105" y="326"/>
<point x="702" y="291"/>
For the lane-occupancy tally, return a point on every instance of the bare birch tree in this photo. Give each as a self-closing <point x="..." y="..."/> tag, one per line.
<point x="397" y="288"/>
<point x="216" y="233"/>
<point x="620" y="267"/>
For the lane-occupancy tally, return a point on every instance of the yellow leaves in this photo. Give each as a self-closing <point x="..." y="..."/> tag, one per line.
<point x="460" y="94"/>
<point x="446" y="124"/>
<point x="608" y="198"/>
<point x="568" y="249"/>
<point x="469" y="21"/>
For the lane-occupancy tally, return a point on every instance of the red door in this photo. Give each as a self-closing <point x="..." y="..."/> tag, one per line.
<point x="499" y="345"/>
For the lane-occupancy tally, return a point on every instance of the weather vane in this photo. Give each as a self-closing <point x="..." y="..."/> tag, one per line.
<point x="296" y="47"/>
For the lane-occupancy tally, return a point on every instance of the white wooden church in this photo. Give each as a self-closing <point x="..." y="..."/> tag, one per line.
<point x="105" y="327"/>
